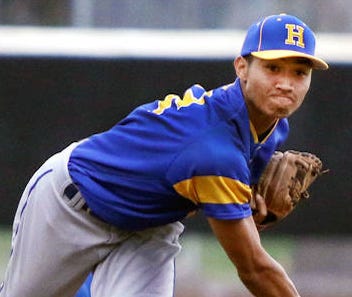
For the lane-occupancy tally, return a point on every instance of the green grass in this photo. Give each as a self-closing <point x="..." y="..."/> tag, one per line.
<point x="199" y="250"/>
<point x="281" y="249"/>
<point x="5" y="245"/>
<point x="213" y="262"/>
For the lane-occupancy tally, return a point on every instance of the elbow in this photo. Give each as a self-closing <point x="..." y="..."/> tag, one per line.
<point x="250" y="275"/>
<point x="256" y="270"/>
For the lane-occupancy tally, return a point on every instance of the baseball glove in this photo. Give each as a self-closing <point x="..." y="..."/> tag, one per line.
<point x="284" y="182"/>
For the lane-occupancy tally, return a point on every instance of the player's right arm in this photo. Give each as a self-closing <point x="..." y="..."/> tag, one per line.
<point x="259" y="272"/>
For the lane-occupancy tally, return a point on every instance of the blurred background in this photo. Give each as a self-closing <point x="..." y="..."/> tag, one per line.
<point x="71" y="68"/>
<point x="323" y="15"/>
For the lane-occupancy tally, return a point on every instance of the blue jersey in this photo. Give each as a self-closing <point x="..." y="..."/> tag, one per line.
<point x="171" y="157"/>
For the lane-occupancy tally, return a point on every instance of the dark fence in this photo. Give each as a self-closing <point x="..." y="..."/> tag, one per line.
<point x="46" y="103"/>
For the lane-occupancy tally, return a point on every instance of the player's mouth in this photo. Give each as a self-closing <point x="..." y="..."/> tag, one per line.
<point x="283" y="99"/>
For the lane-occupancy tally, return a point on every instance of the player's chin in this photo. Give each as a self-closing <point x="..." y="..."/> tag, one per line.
<point x="284" y="111"/>
<point x="278" y="113"/>
<point x="283" y="114"/>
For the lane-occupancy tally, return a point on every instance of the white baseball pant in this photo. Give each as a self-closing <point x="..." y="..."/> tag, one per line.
<point x="56" y="244"/>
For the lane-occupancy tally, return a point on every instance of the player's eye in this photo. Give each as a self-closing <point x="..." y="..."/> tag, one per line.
<point x="302" y="72"/>
<point x="272" y="67"/>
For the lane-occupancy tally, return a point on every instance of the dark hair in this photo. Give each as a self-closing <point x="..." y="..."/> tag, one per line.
<point x="248" y="58"/>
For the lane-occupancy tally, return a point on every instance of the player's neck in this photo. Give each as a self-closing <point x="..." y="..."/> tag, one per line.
<point x="262" y="124"/>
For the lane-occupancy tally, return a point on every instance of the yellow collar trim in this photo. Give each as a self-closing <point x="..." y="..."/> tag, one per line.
<point x="255" y="134"/>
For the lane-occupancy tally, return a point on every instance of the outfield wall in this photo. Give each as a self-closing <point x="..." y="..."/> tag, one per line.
<point x="57" y="86"/>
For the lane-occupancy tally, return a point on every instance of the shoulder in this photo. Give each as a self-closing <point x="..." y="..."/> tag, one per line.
<point x="216" y="152"/>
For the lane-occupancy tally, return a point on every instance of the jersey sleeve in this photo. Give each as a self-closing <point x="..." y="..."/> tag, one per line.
<point x="218" y="196"/>
<point x="213" y="173"/>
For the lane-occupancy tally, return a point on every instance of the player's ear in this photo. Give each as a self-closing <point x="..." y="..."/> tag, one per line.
<point x="241" y="67"/>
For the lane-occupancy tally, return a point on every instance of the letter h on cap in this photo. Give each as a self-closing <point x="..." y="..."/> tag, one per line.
<point x="295" y="31"/>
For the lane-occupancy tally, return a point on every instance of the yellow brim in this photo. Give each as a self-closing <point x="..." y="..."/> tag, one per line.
<point x="279" y="54"/>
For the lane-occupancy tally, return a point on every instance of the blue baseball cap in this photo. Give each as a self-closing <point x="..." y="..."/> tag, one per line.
<point x="281" y="36"/>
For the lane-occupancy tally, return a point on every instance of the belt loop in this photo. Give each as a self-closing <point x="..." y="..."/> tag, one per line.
<point x="74" y="196"/>
<point x="70" y="191"/>
<point x="77" y="201"/>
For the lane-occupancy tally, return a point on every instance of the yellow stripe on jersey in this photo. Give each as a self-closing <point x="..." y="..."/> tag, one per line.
<point x="255" y="134"/>
<point x="214" y="189"/>
<point x="166" y="103"/>
<point x="187" y="100"/>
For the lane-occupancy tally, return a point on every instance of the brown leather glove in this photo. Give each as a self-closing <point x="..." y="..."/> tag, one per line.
<point x="284" y="182"/>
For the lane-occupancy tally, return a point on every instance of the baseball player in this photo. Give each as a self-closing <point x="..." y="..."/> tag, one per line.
<point x="112" y="204"/>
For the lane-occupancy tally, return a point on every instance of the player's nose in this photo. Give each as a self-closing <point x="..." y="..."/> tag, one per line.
<point x="285" y="82"/>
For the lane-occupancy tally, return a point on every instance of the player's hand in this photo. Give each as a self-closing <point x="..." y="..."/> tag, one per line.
<point x="259" y="208"/>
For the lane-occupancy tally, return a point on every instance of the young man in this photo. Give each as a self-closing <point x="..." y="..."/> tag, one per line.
<point x="111" y="204"/>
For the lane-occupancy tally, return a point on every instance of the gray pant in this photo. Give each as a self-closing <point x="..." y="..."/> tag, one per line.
<point x="56" y="244"/>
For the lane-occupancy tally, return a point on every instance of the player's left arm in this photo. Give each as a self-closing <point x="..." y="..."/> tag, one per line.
<point x="259" y="272"/>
